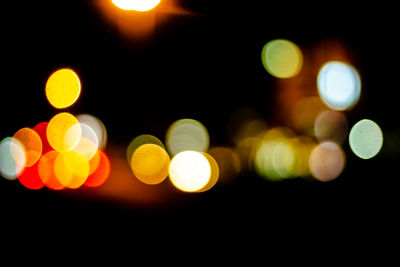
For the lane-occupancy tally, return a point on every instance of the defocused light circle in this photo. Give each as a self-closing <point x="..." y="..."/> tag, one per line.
<point x="150" y="164"/>
<point x="339" y="85"/>
<point x="187" y="134"/>
<point x="282" y="58"/>
<point x="64" y="132"/>
<point x="189" y="171"/>
<point x="30" y="177"/>
<point x="366" y="139"/>
<point x="214" y="173"/>
<point x="97" y="126"/>
<point x="32" y="144"/>
<point x="71" y="169"/>
<point x="137" y="5"/>
<point x="228" y="164"/>
<point x="326" y="161"/>
<point x="102" y="172"/>
<point x="331" y="125"/>
<point x="11" y="164"/>
<point x="47" y="172"/>
<point x="63" y="88"/>
<point x="41" y="129"/>
<point x="139" y="141"/>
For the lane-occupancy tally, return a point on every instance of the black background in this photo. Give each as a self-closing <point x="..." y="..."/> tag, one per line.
<point x="202" y="65"/>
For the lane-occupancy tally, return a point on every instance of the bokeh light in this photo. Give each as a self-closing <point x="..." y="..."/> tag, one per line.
<point x="331" y="125"/>
<point x="189" y="171"/>
<point x="339" y="85"/>
<point x="327" y="161"/>
<point x="63" y="88"/>
<point x="97" y="126"/>
<point x="137" y="5"/>
<point x="30" y="177"/>
<point x="150" y="163"/>
<point x="32" y="144"/>
<point x="366" y="139"/>
<point x="47" y="172"/>
<point x="282" y="58"/>
<point x="214" y="173"/>
<point x="64" y="132"/>
<point x="101" y="172"/>
<point x="228" y="164"/>
<point x="71" y="169"/>
<point x="187" y="134"/>
<point x="11" y="164"/>
<point x="41" y="129"/>
<point x="139" y="141"/>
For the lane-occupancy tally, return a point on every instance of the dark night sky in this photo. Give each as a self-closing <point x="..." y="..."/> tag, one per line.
<point x="201" y="66"/>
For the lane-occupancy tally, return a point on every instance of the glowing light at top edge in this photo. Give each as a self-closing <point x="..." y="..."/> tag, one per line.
<point x="366" y="139"/>
<point x="339" y="85"/>
<point x="282" y="58"/>
<point x="136" y="5"/>
<point x="11" y="164"/>
<point x="150" y="163"/>
<point x="63" y="88"/>
<point x="189" y="171"/>
<point x="187" y="134"/>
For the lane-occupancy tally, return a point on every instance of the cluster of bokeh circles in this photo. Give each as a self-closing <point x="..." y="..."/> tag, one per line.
<point x="65" y="152"/>
<point x="191" y="168"/>
<point x="311" y="143"/>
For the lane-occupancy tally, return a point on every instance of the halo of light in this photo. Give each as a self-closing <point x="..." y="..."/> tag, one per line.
<point x="32" y="144"/>
<point x="41" y="129"/>
<point x="302" y="147"/>
<point x="327" y="161"/>
<point x="331" y="125"/>
<point x="228" y="164"/>
<point x="282" y="58"/>
<point x="271" y="158"/>
<point x="137" y="5"/>
<point x="139" y="141"/>
<point x="150" y="163"/>
<point x="305" y="112"/>
<point x="102" y="172"/>
<point x="47" y="172"/>
<point x="214" y="173"/>
<point x="11" y="164"/>
<point x="30" y="177"/>
<point x="366" y="139"/>
<point x="63" y="88"/>
<point x="71" y="169"/>
<point x="339" y="85"/>
<point x="187" y="134"/>
<point x="97" y="126"/>
<point x="189" y="171"/>
<point x="64" y="132"/>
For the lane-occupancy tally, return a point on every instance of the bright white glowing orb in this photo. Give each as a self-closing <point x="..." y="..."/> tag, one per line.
<point x="339" y="85"/>
<point x="189" y="171"/>
<point x="137" y="5"/>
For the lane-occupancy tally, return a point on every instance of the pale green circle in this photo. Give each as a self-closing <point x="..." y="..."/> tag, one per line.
<point x="366" y="139"/>
<point x="282" y="58"/>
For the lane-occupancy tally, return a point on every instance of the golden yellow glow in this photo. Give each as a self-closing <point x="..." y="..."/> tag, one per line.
<point x="32" y="144"/>
<point x="139" y="141"/>
<point x="282" y="58"/>
<point x="63" y="88"/>
<point x="214" y="173"/>
<point x="189" y="171"/>
<point x="64" y="132"/>
<point x="137" y="5"/>
<point x="150" y="163"/>
<point x="71" y="169"/>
